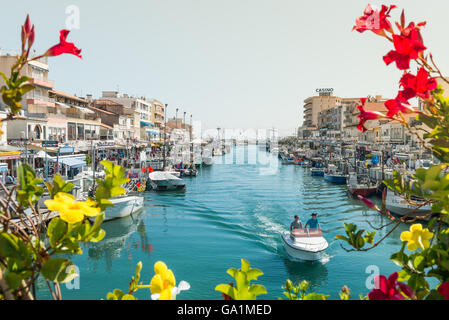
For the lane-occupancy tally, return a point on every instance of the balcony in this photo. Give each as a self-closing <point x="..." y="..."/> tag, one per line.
<point x="46" y="83"/>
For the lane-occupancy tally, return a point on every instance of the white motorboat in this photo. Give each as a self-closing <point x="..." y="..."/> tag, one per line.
<point x="123" y="207"/>
<point x="161" y="180"/>
<point x="305" y="244"/>
<point x="400" y="206"/>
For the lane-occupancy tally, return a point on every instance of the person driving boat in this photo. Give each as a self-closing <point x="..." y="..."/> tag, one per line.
<point x="296" y="224"/>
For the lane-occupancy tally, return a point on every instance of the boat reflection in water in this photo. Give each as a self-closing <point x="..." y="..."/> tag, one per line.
<point x="313" y="272"/>
<point x="118" y="234"/>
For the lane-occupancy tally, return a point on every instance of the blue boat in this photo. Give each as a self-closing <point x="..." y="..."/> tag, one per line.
<point x="334" y="176"/>
<point x="317" y="172"/>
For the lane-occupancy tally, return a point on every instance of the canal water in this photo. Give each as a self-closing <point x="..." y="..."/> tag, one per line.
<point x="235" y="209"/>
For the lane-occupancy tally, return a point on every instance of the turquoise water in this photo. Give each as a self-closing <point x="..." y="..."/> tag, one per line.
<point x="233" y="210"/>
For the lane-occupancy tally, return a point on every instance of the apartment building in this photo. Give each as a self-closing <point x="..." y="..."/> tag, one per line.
<point x="32" y="118"/>
<point x="117" y="117"/>
<point x="158" y="113"/>
<point x="351" y="116"/>
<point x="142" y="111"/>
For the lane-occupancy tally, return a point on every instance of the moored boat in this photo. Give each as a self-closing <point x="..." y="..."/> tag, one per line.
<point x="317" y="172"/>
<point x="334" y="176"/>
<point x="123" y="207"/>
<point x="362" y="188"/>
<point x="161" y="181"/>
<point x="402" y="207"/>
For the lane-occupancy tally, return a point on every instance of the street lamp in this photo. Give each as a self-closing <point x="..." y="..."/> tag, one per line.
<point x="184" y="122"/>
<point x="165" y="134"/>
<point x="177" y="109"/>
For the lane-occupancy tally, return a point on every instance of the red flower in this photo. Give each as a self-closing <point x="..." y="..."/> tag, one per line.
<point x="374" y="20"/>
<point x="367" y="115"/>
<point x="63" y="46"/>
<point x="420" y="85"/>
<point x="150" y="169"/>
<point x="138" y="184"/>
<point x="444" y="290"/>
<point x="144" y="170"/>
<point x="397" y="105"/>
<point x="28" y="33"/>
<point x="408" y="45"/>
<point x="387" y="289"/>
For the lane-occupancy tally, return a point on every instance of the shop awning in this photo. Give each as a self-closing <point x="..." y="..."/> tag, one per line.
<point x="71" y="162"/>
<point x="152" y="132"/>
<point x="144" y="123"/>
<point x="62" y="105"/>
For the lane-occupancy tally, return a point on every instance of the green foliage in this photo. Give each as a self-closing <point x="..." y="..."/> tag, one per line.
<point x="243" y="289"/>
<point x="57" y="270"/>
<point x="111" y="186"/>
<point x="14" y="89"/>
<point x="58" y="185"/>
<point x="356" y="238"/>
<point x="299" y="292"/>
<point x="134" y="286"/>
<point x="29" y="190"/>
<point x="19" y="257"/>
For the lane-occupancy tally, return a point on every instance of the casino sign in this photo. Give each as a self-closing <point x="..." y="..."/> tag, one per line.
<point x="325" y="91"/>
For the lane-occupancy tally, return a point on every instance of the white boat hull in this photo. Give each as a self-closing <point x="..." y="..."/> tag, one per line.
<point x="123" y="207"/>
<point x="168" y="184"/>
<point x="402" y="207"/>
<point x="312" y="249"/>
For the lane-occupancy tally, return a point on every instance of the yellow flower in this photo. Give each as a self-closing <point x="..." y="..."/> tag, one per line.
<point x="417" y="237"/>
<point x="163" y="281"/>
<point x="71" y="211"/>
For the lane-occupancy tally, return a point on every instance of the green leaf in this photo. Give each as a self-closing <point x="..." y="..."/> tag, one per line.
<point x="57" y="230"/>
<point x="56" y="270"/>
<point x="227" y="290"/>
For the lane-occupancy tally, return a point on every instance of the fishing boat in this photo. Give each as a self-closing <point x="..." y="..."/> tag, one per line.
<point x="123" y="207"/>
<point x="400" y="206"/>
<point x="317" y="172"/>
<point x="360" y="186"/>
<point x="305" y="244"/>
<point x="161" y="180"/>
<point x="306" y="164"/>
<point x="289" y="160"/>
<point x="334" y="176"/>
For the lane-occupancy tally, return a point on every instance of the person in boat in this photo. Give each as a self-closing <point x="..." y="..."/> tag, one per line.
<point x="313" y="223"/>
<point x="296" y="224"/>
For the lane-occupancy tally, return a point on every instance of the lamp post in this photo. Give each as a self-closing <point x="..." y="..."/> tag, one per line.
<point x="165" y="135"/>
<point x="191" y="144"/>
<point x="184" y="122"/>
<point x="176" y="119"/>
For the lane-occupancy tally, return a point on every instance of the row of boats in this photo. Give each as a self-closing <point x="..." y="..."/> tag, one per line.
<point x="362" y="185"/>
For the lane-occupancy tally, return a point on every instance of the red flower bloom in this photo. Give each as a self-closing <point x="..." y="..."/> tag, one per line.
<point x="63" y="46"/>
<point x="420" y="85"/>
<point x="138" y="184"/>
<point x="374" y="20"/>
<point x="144" y="170"/>
<point x="444" y="290"/>
<point x="366" y="115"/>
<point x="150" y="169"/>
<point x="387" y="289"/>
<point x="397" y="105"/>
<point x="408" y="45"/>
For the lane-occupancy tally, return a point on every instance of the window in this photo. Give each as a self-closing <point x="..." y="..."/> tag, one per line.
<point x="80" y="131"/>
<point x="71" y="129"/>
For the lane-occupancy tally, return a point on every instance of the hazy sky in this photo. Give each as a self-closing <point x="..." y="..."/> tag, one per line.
<point x="233" y="63"/>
